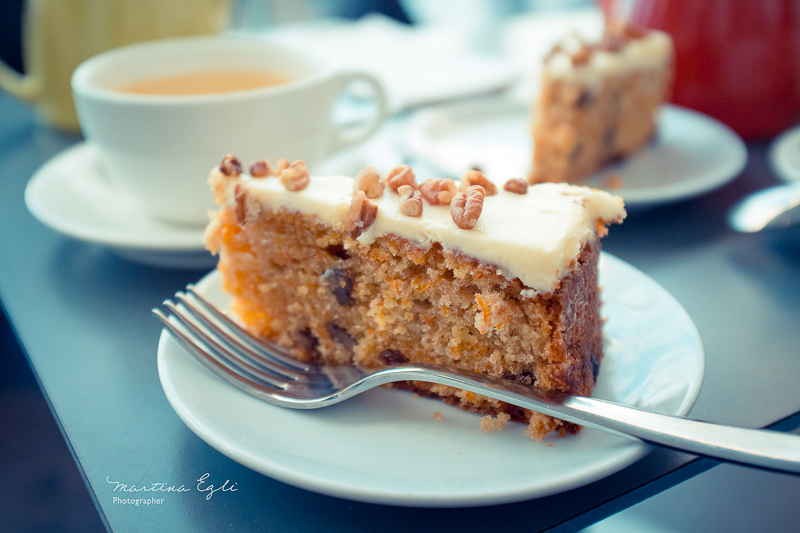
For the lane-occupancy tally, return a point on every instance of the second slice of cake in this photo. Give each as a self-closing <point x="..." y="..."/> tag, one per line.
<point x="598" y="101"/>
<point x="380" y="270"/>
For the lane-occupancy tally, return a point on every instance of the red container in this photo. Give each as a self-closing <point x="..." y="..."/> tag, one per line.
<point x="736" y="60"/>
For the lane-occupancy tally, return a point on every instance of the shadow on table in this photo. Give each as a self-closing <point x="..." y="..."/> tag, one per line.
<point x="41" y="489"/>
<point x="772" y="261"/>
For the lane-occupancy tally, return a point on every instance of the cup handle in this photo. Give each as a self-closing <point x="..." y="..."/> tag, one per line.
<point x="343" y="136"/>
<point x="26" y="87"/>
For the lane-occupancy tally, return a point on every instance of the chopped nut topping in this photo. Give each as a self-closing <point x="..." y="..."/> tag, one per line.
<point x="619" y="34"/>
<point x="230" y="166"/>
<point x="558" y="48"/>
<point x="476" y="177"/>
<point x="410" y="201"/>
<point x="360" y="215"/>
<point x="280" y="166"/>
<point x="466" y="207"/>
<point x="582" y="56"/>
<point x="516" y="185"/>
<point x="633" y="30"/>
<point x="261" y="169"/>
<point x="245" y="207"/>
<point x="438" y="191"/>
<point x="295" y="177"/>
<point x="369" y="181"/>
<point x="402" y="175"/>
<point x="615" y="38"/>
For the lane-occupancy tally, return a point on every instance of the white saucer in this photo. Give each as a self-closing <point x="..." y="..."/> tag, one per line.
<point x="784" y="155"/>
<point x="386" y="446"/>
<point x="692" y="153"/>
<point x="70" y="195"/>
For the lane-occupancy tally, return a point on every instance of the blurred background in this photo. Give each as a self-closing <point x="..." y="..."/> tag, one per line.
<point x="41" y="488"/>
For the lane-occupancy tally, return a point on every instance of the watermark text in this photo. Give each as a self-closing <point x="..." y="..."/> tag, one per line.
<point x="203" y="485"/>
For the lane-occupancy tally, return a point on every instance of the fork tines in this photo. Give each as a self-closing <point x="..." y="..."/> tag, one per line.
<point x="226" y="348"/>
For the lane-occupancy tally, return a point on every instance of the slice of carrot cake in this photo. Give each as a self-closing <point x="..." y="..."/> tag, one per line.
<point x="599" y="101"/>
<point x="380" y="270"/>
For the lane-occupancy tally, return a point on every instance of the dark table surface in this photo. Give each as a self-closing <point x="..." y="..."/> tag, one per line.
<point x="82" y="315"/>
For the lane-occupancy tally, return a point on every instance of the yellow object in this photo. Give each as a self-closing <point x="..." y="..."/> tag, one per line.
<point x="58" y="35"/>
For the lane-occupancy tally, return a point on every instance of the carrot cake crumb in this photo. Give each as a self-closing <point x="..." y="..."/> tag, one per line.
<point x="488" y="423"/>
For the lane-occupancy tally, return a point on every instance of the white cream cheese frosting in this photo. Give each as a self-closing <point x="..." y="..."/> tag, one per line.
<point x="653" y="50"/>
<point x="533" y="236"/>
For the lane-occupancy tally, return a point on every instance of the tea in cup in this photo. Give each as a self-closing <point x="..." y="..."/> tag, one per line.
<point x="163" y="113"/>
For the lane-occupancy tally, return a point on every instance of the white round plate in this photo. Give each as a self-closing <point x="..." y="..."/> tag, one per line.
<point x="384" y="446"/>
<point x="70" y="195"/>
<point x="784" y="155"/>
<point x="691" y="154"/>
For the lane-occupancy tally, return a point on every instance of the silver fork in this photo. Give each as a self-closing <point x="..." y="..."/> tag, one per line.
<point x="268" y="371"/>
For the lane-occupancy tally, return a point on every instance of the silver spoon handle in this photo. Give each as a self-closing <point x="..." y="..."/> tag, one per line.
<point x="773" y="208"/>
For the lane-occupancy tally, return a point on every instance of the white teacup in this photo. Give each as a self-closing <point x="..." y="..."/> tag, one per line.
<point x="161" y="147"/>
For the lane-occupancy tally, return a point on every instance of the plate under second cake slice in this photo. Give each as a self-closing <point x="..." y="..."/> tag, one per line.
<point x="379" y="270"/>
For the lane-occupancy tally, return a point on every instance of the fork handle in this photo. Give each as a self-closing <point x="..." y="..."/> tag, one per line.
<point x="771" y="450"/>
<point x="767" y="449"/>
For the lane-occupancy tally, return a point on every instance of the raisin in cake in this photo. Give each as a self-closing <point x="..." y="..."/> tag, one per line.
<point x="379" y="270"/>
<point x="598" y="101"/>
